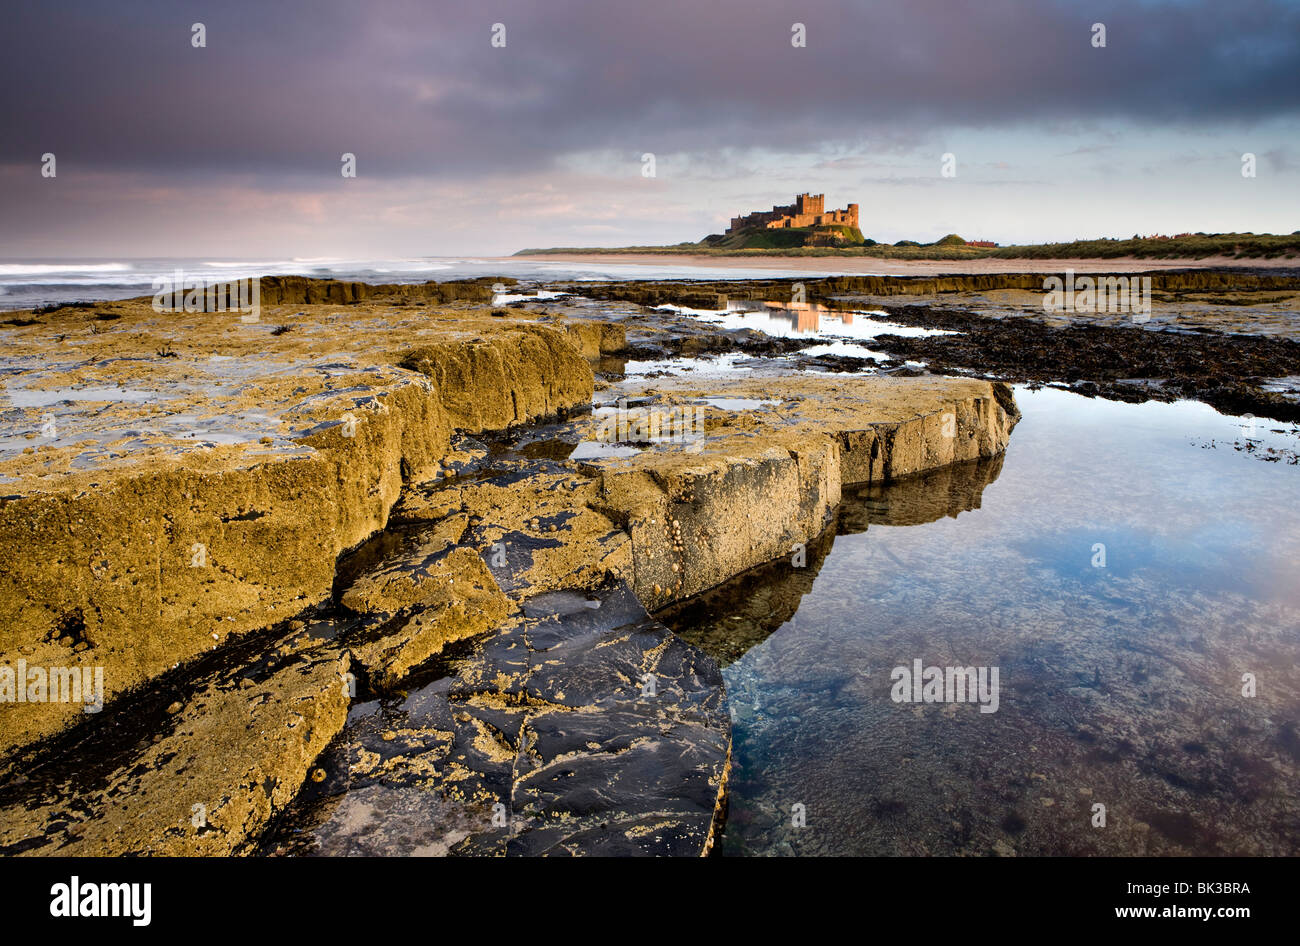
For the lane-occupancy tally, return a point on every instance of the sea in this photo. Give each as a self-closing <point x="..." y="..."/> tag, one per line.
<point x="33" y="283"/>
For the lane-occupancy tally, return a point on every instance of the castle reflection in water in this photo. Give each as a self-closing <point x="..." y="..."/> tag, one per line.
<point x="800" y="316"/>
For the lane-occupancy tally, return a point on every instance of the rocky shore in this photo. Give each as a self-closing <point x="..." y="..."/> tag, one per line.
<point x="392" y="569"/>
<point x="371" y="574"/>
<point x="1230" y="338"/>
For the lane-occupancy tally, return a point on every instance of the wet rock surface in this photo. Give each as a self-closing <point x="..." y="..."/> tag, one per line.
<point x="537" y="523"/>
<point x="441" y="597"/>
<point x="1223" y="337"/>
<point x="204" y="778"/>
<point x="1230" y="372"/>
<point x="584" y="728"/>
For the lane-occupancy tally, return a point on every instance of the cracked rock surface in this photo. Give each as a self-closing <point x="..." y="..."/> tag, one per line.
<point x="586" y="727"/>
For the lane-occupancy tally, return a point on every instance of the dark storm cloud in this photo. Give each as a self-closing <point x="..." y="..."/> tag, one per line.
<point x="415" y="88"/>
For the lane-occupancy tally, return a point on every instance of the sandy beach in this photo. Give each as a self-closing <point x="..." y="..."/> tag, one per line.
<point x="868" y="265"/>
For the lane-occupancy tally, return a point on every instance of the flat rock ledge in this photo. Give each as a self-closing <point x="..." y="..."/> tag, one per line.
<point x="153" y="506"/>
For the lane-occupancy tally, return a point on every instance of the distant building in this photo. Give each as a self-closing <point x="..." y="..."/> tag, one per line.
<point x="808" y="210"/>
<point x="980" y="243"/>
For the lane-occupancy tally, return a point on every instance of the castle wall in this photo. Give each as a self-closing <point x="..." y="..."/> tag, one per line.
<point x="808" y="210"/>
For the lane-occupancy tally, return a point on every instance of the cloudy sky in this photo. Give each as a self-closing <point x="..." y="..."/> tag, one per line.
<point x="462" y="147"/>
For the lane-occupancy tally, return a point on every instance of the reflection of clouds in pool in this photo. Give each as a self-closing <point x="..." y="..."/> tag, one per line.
<point x="1120" y="685"/>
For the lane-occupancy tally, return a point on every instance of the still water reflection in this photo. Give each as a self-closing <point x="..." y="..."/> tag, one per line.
<point x="795" y="319"/>
<point x="1123" y="566"/>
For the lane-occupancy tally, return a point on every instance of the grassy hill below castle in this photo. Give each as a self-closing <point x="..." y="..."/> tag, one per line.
<point x="848" y="241"/>
<point x="759" y="238"/>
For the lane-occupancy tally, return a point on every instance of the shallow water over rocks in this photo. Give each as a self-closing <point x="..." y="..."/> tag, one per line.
<point x="1124" y="566"/>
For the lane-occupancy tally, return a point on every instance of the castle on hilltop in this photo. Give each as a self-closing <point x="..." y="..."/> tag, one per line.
<point x="808" y="210"/>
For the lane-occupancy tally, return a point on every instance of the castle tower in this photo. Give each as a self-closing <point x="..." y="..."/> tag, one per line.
<point x="810" y="204"/>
